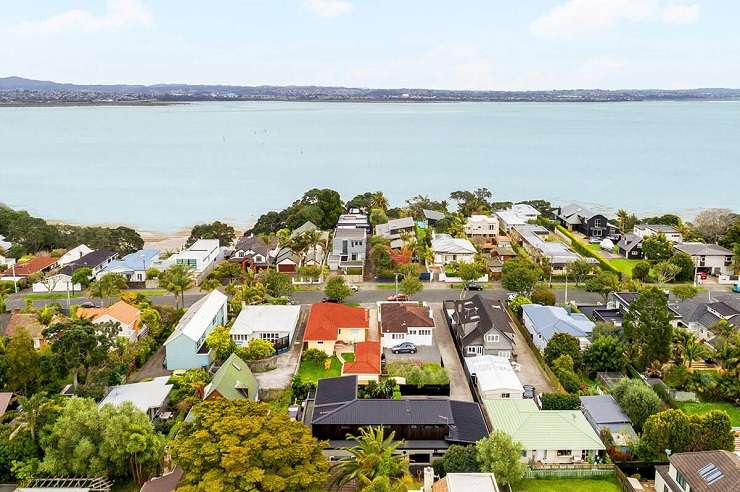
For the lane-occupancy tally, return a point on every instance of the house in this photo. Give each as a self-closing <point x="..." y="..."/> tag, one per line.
<point x="494" y="377"/>
<point x="547" y="436"/>
<point x="274" y="323"/>
<point x="307" y="226"/>
<point x="332" y="324"/>
<point x="366" y="365"/>
<point x="354" y="219"/>
<point x="647" y="230"/>
<point x="95" y="260"/>
<point x="254" y="252"/>
<point x="17" y="321"/>
<point x="604" y="413"/>
<point x="74" y="254"/>
<point x="186" y="346"/>
<point x="710" y="258"/>
<point x="590" y="224"/>
<point x="426" y="427"/>
<point x="168" y="482"/>
<point x="200" y="256"/>
<point x="6" y="261"/>
<point x="431" y="217"/>
<point x="518" y="214"/>
<point x="5" y="399"/>
<point x="481" y="226"/>
<point x="630" y="246"/>
<point x="618" y="305"/>
<point x="4" y="244"/>
<point x="481" y="327"/>
<point x="150" y="396"/>
<point x="700" y="317"/>
<point x="466" y="482"/>
<point x="349" y="247"/>
<point x="447" y="249"/>
<point x="702" y="471"/>
<point x="233" y="381"/>
<point x="20" y="271"/>
<point x="544" y="322"/>
<point x="535" y="240"/>
<point x="127" y="316"/>
<point x="287" y="261"/>
<point x="314" y="255"/>
<point x="394" y="229"/>
<point x="58" y="282"/>
<point x="133" y="266"/>
<point x="405" y="322"/>
<point x="498" y="255"/>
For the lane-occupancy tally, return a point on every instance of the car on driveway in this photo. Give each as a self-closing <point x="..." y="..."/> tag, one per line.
<point x="594" y="240"/>
<point x="528" y="391"/>
<point x="398" y="298"/>
<point x="404" y="348"/>
<point x="511" y="296"/>
<point x="474" y="286"/>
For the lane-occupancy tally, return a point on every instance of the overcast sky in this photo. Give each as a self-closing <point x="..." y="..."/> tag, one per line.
<point x="463" y="44"/>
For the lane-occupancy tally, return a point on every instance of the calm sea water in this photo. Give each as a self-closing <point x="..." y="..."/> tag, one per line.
<point x="165" y="167"/>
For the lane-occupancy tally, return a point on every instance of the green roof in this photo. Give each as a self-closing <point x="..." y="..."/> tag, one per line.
<point x="542" y="429"/>
<point x="232" y="379"/>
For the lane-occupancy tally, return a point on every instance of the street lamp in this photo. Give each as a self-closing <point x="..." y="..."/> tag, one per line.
<point x="396" y="278"/>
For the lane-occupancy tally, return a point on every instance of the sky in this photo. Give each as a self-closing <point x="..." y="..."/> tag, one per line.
<point x="465" y="44"/>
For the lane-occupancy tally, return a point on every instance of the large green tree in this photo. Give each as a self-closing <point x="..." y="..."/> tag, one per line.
<point x="678" y="432"/>
<point x="605" y="354"/>
<point x="637" y="399"/>
<point x="337" y="289"/>
<point x="520" y="276"/>
<point x="647" y="328"/>
<point x="219" y="340"/>
<point x="276" y="283"/>
<point x="23" y="362"/>
<point x="657" y="248"/>
<point x="246" y="445"/>
<point x="562" y="344"/>
<point x="108" y="286"/>
<point x="460" y="459"/>
<point x="215" y="230"/>
<point x="410" y="285"/>
<point x="499" y="454"/>
<point x="603" y="283"/>
<point x="177" y="279"/>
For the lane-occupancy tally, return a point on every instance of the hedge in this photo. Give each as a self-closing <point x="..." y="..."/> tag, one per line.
<point x="557" y="401"/>
<point x="584" y="251"/>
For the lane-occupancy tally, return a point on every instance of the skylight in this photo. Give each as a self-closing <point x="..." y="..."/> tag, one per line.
<point x="710" y="473"/>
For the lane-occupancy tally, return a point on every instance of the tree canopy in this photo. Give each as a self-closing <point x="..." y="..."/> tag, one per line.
<point x="337" y="289"/>
<point x="215" y="230"/>
<point x="499" y="454"/>
<point x="647" y="328"/>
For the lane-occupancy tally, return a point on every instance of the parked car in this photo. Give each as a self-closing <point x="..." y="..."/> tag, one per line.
<point x="594" y="240"/>
<point x="398" y="298"/>
<point x="511" y="296"/>
<point x="404" y="348"/>
<point x="528" y="391"/>
<point x="736" y="288"/>
<point x="353" y="288"/>
<point x="702" y="275"/>
<point x="329" y="299"/>
<point x="474" y="286"/>
<point x="87" y="305"/>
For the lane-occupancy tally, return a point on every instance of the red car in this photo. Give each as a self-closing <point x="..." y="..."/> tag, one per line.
<point x="703" y="275"/>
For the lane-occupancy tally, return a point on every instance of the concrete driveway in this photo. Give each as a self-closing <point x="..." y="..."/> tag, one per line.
<point x="530" y="371"/>
<point x="424" y="353"/>
<point x="459" y="389"/>
<point x="280" y="377"/>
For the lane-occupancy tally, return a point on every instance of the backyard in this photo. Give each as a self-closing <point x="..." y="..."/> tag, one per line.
<point x="310" y="371"/>
<point x="569" y="484"/>
<point x="703" y="407"/>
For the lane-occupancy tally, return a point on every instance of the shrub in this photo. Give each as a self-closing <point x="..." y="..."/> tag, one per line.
<point x="637" y="400"/>
<point x="257" y="349"/>
<point x="677" y="376"/>
<point x="543" y="296"/>
<point x="561" y="344"/>
<point x="315" y="355"/>
<point x="518" y="302"/>
<point x="300" y="388"/>
<point x="460" y="459"/>
<point x="419" y="374"/>
<point x="641" y="271"/>
<point x="557" y="401"/>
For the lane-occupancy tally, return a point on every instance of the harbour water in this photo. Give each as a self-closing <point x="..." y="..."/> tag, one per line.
<point x="166" y="167"/>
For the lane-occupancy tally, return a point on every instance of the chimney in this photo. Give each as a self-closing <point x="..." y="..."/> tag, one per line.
<point x="428" y="478"/>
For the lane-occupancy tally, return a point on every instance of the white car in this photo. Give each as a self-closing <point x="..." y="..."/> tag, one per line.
<point x="511" y="296"/>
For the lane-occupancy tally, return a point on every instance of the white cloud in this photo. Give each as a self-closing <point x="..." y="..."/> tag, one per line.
<point x="118" y="14"/>
<point x="328" y="8"/>
<point x="578" y="18"/>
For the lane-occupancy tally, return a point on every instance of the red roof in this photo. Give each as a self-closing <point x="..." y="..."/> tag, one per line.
<point x="35" y="264"/>
<point x="367" y="359"/>
<point x="326" y="319"/>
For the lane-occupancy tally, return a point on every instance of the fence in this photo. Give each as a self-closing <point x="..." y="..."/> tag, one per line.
<point x="581" y="249"/>
<point x="570" y="471"/>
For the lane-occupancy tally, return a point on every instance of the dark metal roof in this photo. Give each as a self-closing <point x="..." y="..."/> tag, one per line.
<point x="336" y="390"/>
<point x="723" y="309"/>
<point x="487" y="314"/>
<point x="91" y="260"/>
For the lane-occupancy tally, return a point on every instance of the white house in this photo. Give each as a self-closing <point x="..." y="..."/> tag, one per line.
<point x="6" y="261"/>
<point x="186" y="347"/>
<point x="518" y="214"/>
<point x="701" y="471"/>
<point x="647" y="230"/>
<point x="266" y="322"/>
<point x="74" y="254"/>
<point x="150" y="396"/>
<point x="495" y="377"/>
<point x="544" y="322"/>
<point x="5" y="245"/>
<point x="482" y="226"/>
<point x="199" y="256"/>
<point x="59" y="282"/>
<point x="447" y="249"/>
<point x="405" y="322"/>
<point x="709" y="258"/>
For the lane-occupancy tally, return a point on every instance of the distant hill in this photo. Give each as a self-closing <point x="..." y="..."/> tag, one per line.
<point x="19" y="90"/>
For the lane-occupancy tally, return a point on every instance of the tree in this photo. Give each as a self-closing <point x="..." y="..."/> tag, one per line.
<point x="736" y="258"/>
<point x="647" y="328"/>
<point x="693" y="350"/>
<point x="559" y="401"/>
<point x="622" y="218"/>
<point x="82" y="276"/>
<point x="469" y="272"/>
<point x="81" y="344"/>
<point x="30" y="411"/>
<point x="603" y="283"/>
<point x="731" y="236"/>
<point x="605" y="354"/>
<point x="562" y="344"/>
<point x="246" y="445"/>
<point x="374" y="456"/>
<point x="580" y="270"/>
<point x="410" y="285"/>
<point x="23" y="360"/>
<point x="276" y="283"/>
<point x="379" y="201"/>
<point x="377" y="216"/>
<point x="518" y="302"/>
<point x="177" y="279"/>
<point x="219" y="340"/>
<point x="641" y="271"/>
<point x="419" y="203"/>
<point x="520" y="276"/>
<point x="685" y="292"/>
<point x="678" y="432"/>
<point x="257" y="349"/>
<point x="210" y="284"/>
<point x="460" y="459"/>
<point x="637" y="399"/>
<point x="108" y="286"/>
<point x="471" y="202"/>
<point x="337" y="289"/>
<point x="499" y="454"/>
<point x="563" y="367"/>
<point x="665" y="272"/>
<point x="215" y="230"/>
<point x="686" y="267"/>
<point x="713" y="223"/>
<point x="543" y="296"/>
<point x="657" y="248"/>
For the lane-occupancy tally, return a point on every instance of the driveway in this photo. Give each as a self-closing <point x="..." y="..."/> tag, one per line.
<point x="287" y="363"/>
<point x="530" y="371"/>
<point x="459" y="389"/>
<point x="152" y="368"/>
<point x="424" y="353"/>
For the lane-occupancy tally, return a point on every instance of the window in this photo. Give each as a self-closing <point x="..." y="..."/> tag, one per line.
<point x="524" y="453"/>
<point x="680" y="480"/>
<point x="504" y="353"/>
<point x="397" y="336"/>
<point x="269" y="336"/>
<point x="492" y="338"/>
<point x="505" y="395"/>
<point x="564" y="452"/>
<point x="424" y="332"/>
<point x="597" y="222"/>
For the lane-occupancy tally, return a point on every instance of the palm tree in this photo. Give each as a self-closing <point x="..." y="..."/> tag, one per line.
<point x="693" y="350"/>
<point x="728" y="356"/>
<point x="177" y="279"/>
<point x="379" y="201"/>
<point x="46" y="315"/>
<point x="30" y="408"/>
<point x="313" y="238"/>
<point x="622" y="217"/>
<point x="374" y="456"/>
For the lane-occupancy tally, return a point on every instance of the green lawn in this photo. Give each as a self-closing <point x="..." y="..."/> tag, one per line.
<point x="567" y="484"/>
<point x="386" y="286"/>
<point x="310" y="371"/>
<point x="623" y="265"/>
<point x="348" y="356"/>
<point x="704" y="407"/>
<point x="53" y="295"/>
<point x="148" y="292"/>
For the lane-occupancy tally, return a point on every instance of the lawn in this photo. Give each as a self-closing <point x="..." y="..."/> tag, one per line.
<point x="569" y="484"/>
<point x="386" y="286"/>
<point x="623" y="265"/>
<point x="310" y="371"/>
<point x="53" y="295"/>
<point x="147" y="292"/>
<point x="704" y="407"/>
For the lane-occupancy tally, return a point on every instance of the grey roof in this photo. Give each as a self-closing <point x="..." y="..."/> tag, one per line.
<point x="486" y="314"/>
<point x="575" y="214"/>
<point x="693" y="311"/>
<point x="287" y="254"/>
<point x="709" y="471"/>
<point x="629" y="242"/>
<point x="306" y="227"/>
<point x="350" y="233"/>
<point x="433" y="214"/>
<point x="604" y="409"/>
<point x="336" y="390"/>
<point x="256" y="244"/>
<point x="701" y="249"/>
<point x="665" y="229"/>
<point x="90" y="260"/>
